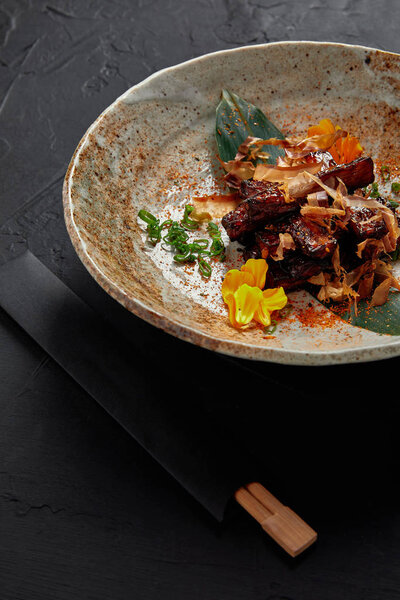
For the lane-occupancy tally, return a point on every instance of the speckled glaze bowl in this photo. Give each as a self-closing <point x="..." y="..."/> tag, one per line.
<point x="154" y="148"/>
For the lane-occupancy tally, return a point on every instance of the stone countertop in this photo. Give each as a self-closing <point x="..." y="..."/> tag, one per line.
<point x="85" y="513"/>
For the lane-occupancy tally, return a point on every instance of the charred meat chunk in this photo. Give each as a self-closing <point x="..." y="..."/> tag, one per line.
<point x="293" y="272"/>
<point x="357" y="174"/>
<point x="312" y="239"/>
<point x="367" y="223"/>
<point x="262" y="202"/>
<point x="264" y="243"/>
<point x="251" y="251"/>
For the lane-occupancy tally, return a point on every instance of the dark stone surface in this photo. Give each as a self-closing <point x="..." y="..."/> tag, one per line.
<point x="85" y="513"/>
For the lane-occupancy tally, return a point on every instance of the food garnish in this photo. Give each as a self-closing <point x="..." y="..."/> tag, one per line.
<point x="154" y="227"/>
<point x="344" y="150"/>
<point x="217" y="247"/>
<point x="395" y="187"/>
<point x="385" y="172"/>
<point x="243" y="291"/>
<point x="187" y="222"/>
<point x="177" y="238"/>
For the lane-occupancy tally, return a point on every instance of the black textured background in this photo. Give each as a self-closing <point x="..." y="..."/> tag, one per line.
<point x="84" y="512"/>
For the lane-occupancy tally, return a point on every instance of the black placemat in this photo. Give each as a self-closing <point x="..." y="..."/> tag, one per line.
<point x="308" y="427"/>
<point x="189" y="445"/>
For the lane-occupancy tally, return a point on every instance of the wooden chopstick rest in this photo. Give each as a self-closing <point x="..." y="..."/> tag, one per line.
<point x="279" y="521"/>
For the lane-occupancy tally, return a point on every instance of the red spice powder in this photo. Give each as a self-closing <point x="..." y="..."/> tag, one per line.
<point x="314" y="317"/>
<point x="392" y="164"/>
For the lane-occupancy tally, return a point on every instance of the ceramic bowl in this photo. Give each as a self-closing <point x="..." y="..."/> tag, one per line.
<point x="154" y="148"/>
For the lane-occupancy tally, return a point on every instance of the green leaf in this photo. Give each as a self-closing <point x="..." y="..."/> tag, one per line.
<point x="236" y="120"/>
<point x="381" y="319"/>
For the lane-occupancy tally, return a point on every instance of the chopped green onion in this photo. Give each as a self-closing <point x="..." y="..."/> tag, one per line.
<point x="395" y="254"/>
<point x="374" y="191"/>
<point x="176" y="235"/>
<point x="212" y="228"/>
<point x="187" y="222"/>
<point x="395" y="187"/>
<point x="185" y="256"/>
<point x="204" y="267"/>
<point x="147" y="216"/>
<point x="217" y="246"/>
<point x="286" y="310"/>
<point x="271" y="328"/>
<point x="393" y="203"/>
<point x="177" y="239"/>
<point x="385" y="172"/>
<point x="201" y="244"/>
<point x="153" y="226"/>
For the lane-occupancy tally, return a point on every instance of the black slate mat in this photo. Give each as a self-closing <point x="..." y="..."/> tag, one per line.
<point x="317" y="431"/>
<point x="187" y="443"/>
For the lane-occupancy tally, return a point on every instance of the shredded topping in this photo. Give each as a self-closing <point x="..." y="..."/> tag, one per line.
<point x="286" y="242"/>
<point x="283" y="173"/>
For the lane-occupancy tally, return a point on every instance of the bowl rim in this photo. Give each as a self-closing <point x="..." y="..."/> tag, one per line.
<point x="168" y="324"/>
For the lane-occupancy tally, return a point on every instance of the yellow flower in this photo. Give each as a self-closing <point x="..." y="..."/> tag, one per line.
<point x="324" y="126"/>
<point x="258" y="267"/>
<point x="273" y="299"/>
<point x="345" y="149"/>
<point x="233" y="280"/>
<point x="243" y="304"/>
<point x="242" y="292"/>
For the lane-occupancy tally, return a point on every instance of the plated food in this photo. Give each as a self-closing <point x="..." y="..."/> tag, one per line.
<point x="308" y="217"/>
<point x="154" y="149"/>
<point x="314" y="216"/>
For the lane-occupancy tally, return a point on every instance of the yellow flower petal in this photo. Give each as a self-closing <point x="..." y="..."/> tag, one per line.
<point x="345" y="150"/>
<point x="262" y="315"/>
<point x="275" y="298"/>
<point x="230" y="301"/>
<point x="324" y="126"/>
<point x="258" y="267"/>
<point x="348" y="149"/>
<point x="272" y="299"/>
<point x="246" y="301"/>
<point x="233" y="280"/>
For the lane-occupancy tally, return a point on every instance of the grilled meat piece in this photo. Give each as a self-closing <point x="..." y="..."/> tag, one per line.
<point x="251" y="251"/>
<point x="293" y="272"/>
<point x="263" y="201"/>
<point x="357" y="174"/>
<point x="367" y="223"/>
<point x="263" y="244"/>
<point x="311" y="239"/>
